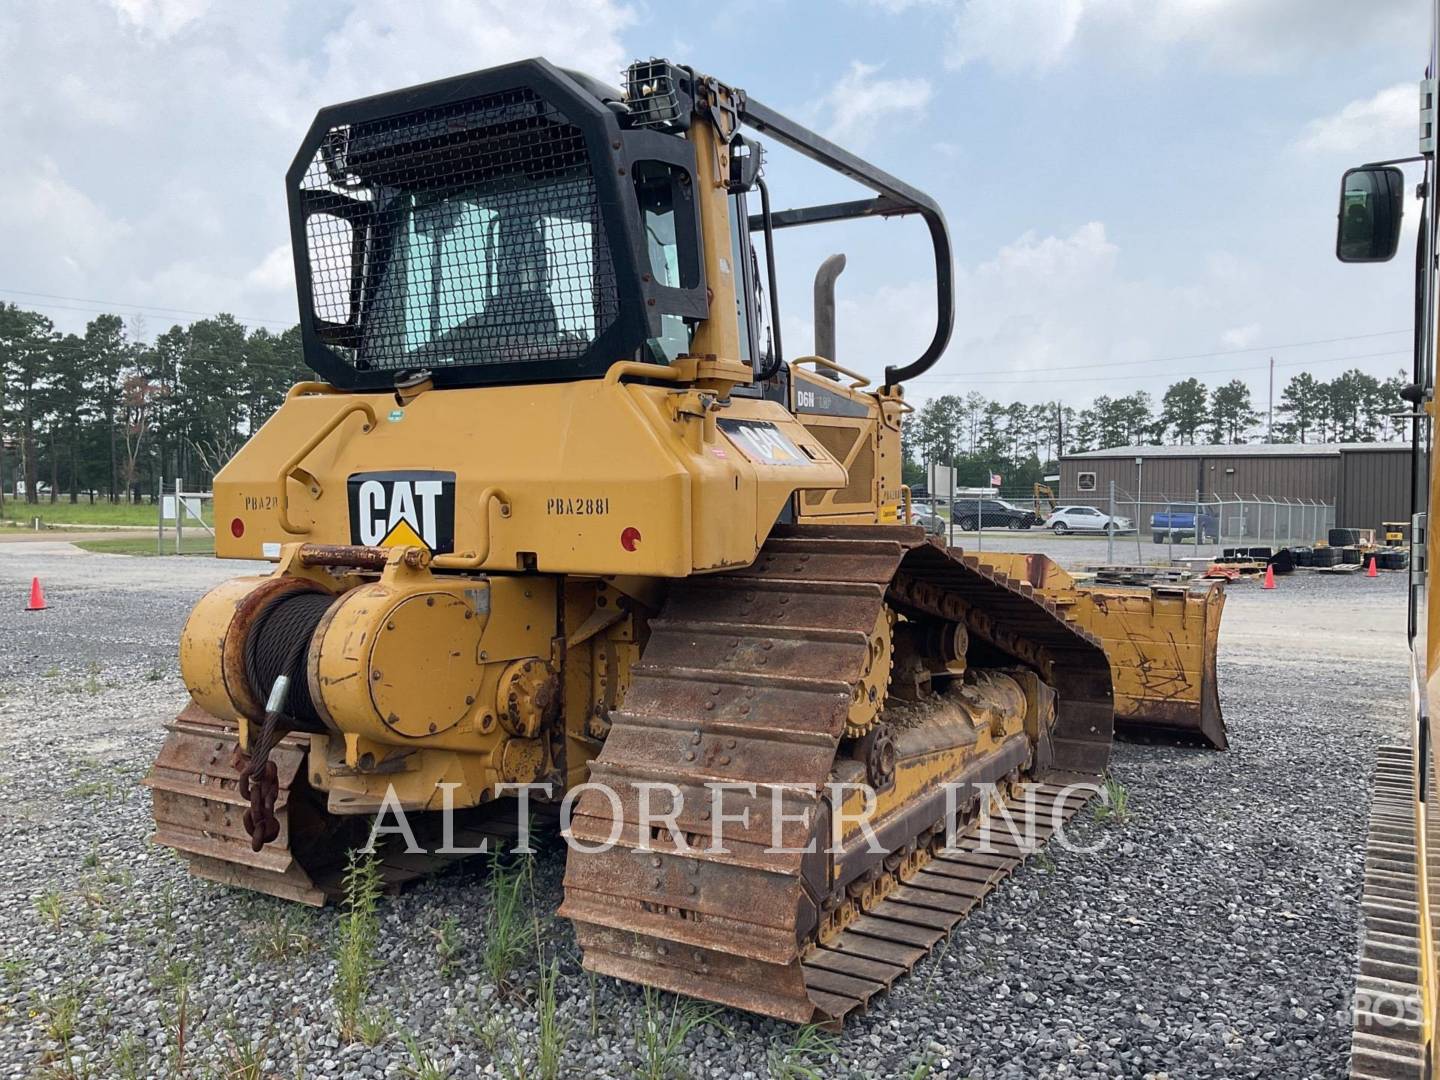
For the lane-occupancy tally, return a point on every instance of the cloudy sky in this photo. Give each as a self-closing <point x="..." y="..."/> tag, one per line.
<point x="1138" y="190"/>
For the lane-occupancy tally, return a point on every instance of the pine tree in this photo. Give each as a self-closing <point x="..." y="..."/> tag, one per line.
<point x="1183" y="410"/>
<point x="1232" y="414"/>
<point x="1303" y="403"/>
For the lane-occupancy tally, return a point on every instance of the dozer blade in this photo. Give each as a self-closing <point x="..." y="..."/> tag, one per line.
<point x="195" y="788"/>
<point x="1160" y="640"/>
<point x="746" y="681"/>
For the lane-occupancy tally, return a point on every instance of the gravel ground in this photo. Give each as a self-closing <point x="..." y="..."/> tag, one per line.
<point x="1212" y="936"/>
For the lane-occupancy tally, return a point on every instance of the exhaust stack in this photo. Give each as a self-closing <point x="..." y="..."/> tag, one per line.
<point x="825" y="278"/>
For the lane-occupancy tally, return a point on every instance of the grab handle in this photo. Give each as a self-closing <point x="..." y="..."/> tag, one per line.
<point x="291" y="467"/>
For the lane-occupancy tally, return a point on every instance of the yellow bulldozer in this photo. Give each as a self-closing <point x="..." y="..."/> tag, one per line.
<point x="560" y="521"/>
<point x="1396" y="1004"/>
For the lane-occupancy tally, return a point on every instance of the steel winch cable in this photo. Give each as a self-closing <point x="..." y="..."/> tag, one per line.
<point x="277" y="645"/>
<point x="276" y="653"/>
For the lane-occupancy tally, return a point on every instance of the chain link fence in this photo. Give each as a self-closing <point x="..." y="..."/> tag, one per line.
<point x="1195" y="524"/>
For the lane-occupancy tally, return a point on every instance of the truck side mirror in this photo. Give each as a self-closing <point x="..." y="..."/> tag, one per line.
<point x="1372" y="200"/>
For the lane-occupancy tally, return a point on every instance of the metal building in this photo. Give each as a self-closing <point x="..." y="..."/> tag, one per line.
<point x="1367" y="483"/>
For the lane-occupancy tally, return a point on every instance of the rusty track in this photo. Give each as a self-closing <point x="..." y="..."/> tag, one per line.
<point x="747" y="679"/>
<point x="842" y="976"/>
<point x="1388" y="1040"/>
<point x="198" y="809"/>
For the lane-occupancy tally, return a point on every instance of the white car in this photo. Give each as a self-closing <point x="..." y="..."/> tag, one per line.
<point x="1068" y="519"/>
<point x="922" y="513"/>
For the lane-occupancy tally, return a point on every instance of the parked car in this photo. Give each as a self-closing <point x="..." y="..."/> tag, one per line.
<point x="924" y="515"/>
<point x="1068" y="519"/>
<point x="1177" y="522"/>
<point x="967" y="513"/>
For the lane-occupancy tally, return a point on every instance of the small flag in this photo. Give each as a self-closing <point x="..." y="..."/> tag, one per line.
<point x="995" y="479"/>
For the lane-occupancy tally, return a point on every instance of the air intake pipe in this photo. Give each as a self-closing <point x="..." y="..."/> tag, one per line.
<point x="825" y="279"/>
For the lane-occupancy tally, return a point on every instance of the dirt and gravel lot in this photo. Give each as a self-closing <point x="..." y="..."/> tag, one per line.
<point x="1211" y="936"/>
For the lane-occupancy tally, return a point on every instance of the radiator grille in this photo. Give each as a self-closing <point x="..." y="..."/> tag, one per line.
<point x="480" y="240"/>
<point x="861" y="472"/>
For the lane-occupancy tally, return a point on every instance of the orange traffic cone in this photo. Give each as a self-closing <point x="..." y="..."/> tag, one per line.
<point x="37" y="596"/>
<point x="1269" y="577"/>
<point x="1371" y="572"/>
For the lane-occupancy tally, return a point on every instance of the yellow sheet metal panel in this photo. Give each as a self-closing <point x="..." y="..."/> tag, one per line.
<point x="594" y="477"/>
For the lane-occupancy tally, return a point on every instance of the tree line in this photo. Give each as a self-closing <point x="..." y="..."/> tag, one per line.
<point x="106" y="415"/>
<point x="1022" y="442"/>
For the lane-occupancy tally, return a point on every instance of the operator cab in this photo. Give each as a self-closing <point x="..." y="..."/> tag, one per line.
<point x="529" y="224"/>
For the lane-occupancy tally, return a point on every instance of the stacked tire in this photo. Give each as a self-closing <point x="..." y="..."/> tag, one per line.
<point x="1392" y="559"/>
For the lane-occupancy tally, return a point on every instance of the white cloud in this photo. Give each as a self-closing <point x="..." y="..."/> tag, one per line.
<point x="154" y="171"/>
<point x="1014" y="34"/>
<point x="1066" y="316"/>
<point x="159" y="18"/>
<point x="860" y="101"/>
<point x="1241" y="337"/>
<point x="383" y="45"/>
<point x="1052" y="262"/>
<point x="1378" y="123"/>
<point x="1022" y="35"/>
<point x="275" y="272"/>
<point x="51" y="226"/>
<point x="895" y="7"/>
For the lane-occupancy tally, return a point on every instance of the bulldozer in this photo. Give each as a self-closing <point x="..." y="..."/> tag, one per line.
<point x="1395" y="1009"/>
<point x="559" y="525"/>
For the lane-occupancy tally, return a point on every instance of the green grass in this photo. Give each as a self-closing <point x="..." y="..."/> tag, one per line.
<point x="14" y="969"/>
<point x="243" y="1059"/>
<point x="422" y="1065"/>
<point x="92" y="787"/>
<point x="1114" y="806"/>
<point x="284" y="932"/>
<point x="509" y="929"/>
<point x="83" y="513"/>
<point x="551" y="1031"/>
<point x="660" y="1034"/>
<point x="51" y="905"/>
<point x="128" y="1062"/>
<point x="806" y="1058"/>
<point x="177" y="1020"/>
<point x="375" y="1027"/>
<point x="145" y="545"/>
<point x="447" y="945"/>
<point x="359" y="934"/>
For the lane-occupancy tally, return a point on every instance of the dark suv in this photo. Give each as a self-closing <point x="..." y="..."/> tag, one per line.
<point x="967" y="513"/>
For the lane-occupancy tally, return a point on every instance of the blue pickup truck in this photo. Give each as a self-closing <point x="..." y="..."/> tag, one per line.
<point x="1177" y="522"/>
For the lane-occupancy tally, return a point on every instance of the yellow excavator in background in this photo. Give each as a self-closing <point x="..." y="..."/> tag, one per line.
<point x="560" y="510"/>
<point x="1045" y="503"/>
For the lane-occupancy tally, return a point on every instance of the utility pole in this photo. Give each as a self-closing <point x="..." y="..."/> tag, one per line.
<point x="1270" y="412"/>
